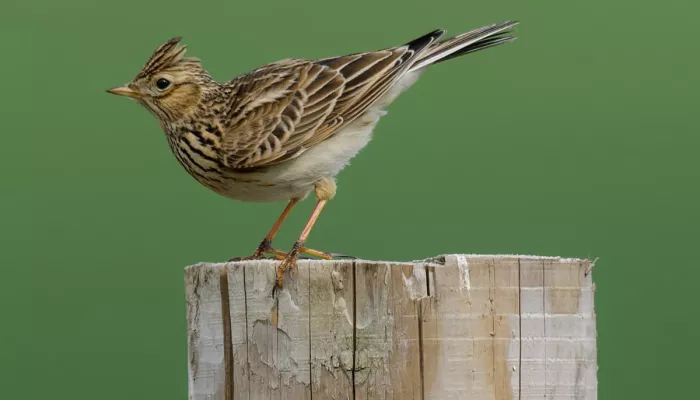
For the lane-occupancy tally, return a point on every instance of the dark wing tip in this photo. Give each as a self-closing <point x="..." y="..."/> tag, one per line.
<point x="418" y="44"/>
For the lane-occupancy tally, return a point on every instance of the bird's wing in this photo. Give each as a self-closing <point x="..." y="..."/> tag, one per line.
<point x="281" y="109"/>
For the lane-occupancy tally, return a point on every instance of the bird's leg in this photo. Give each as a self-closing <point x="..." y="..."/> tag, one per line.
<point x="325" y="190"/>
<point x="266" y="244"/>
<point x="290" y="261"/>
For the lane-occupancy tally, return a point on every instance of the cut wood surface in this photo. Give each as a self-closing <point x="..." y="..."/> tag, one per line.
<point x="451" y="327"/>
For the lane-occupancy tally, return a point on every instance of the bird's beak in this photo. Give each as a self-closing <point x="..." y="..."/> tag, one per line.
<point x="125" y="91"/>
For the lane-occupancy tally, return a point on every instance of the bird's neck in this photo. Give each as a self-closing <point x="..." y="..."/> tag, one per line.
<point x="209" y="107"/>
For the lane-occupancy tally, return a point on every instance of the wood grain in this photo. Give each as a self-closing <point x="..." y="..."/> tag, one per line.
<point x="450" y="327"/>
<point x="332" y="313"/>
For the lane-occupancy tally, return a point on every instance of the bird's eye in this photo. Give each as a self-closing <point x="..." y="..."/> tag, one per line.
<point x="162" y="84"/>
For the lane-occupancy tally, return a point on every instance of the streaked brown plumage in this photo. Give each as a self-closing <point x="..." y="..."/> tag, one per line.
<point x="287" y="128"/>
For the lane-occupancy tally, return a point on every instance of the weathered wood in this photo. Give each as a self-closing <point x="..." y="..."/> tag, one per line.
<point x="406" y="289"/>
<point x="471" y="330"/>
<point x="452" y="327"/>
<point x="205" y="332"/>
<point x="332" y="309"/>
<point x="239" y="335"/>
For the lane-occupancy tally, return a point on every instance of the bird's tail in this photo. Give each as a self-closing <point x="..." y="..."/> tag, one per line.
<point x="469" y="42"/>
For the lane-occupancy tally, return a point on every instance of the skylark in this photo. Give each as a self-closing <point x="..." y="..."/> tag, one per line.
<point x="287" y="128"/>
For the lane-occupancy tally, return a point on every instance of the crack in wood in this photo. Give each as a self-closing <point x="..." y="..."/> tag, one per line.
<point x="421" y="349"/>
<point x="247" y="352"/>
<point x="520" y="332"/>
<point x="354" y="327"/>
<point x="228" y="341"/>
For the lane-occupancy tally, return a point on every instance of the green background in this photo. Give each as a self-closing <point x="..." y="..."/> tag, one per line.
<point x="579" y="139"/>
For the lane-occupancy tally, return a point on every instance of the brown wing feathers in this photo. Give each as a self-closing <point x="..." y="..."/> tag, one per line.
<point x="283" y="108"/>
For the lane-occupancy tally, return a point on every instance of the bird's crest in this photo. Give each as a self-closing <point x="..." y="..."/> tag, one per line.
<point x="167" y="56"/>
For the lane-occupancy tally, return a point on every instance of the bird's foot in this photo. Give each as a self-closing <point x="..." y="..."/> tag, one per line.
<point x="288" y="263"/>
<point x="265" y="247"/>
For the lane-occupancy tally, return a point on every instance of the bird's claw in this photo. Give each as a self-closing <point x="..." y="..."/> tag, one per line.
<point x="289" y="260"/>
<point x="264" y="248"/>
<point x="288" y="263"/>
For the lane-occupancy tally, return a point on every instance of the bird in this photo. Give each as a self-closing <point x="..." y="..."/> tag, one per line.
<point x="286" y="128"/>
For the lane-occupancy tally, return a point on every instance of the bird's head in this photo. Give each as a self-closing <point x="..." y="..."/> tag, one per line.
<point x="170" y="85"/>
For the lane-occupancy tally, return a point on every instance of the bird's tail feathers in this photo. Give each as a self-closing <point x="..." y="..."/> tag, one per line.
<point x="469" y="42"/>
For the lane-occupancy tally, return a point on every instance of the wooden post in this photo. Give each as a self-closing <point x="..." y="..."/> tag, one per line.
<point x="452" y="327"/>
